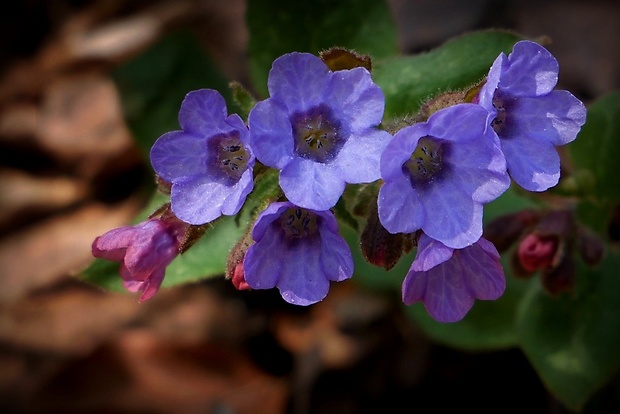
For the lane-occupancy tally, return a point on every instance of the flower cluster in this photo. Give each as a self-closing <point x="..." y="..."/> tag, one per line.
<point x="321" y="129"/>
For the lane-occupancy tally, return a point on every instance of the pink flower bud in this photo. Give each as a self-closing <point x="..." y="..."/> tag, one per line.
<point x="536" y="251"/>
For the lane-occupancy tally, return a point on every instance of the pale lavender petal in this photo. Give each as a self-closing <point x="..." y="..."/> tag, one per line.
<point x="359" y="157"/>
<point x="485" y="97"/>
<point x="198" y="200"/>
<point x="262" y="268"/>
<point x="303" y="281"/>
<point x="453" y="216"/>
<point x="533" y="164"/>
<point x="312" y="185"/>
<point x="399" y="149"/>
<point x="298" y="80"/>
<point x="203" y="112"/>
<point x="462" y="122"/>
<point x="399" y="207"/>
<point x="482" y="272"/>
<point x="301" y="267"/>
<point x="430" y="254"/>
<point x="266" y="217"/>
<point x="414" y="287"/>
<point x="556" y="117"/>
<point x="448" y="289"/>
<point x="238" y="193"/>
<point x="447" y="297"/>
<point x="336" y="259"/>
<point x="271" y="134"/>
<point x="531" y="71"/>
<point x="178" y="154"/>
<point x="356" y="99"/>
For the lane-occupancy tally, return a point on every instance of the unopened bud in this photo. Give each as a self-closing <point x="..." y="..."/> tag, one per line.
<point x="589" y="246"/>
<point x="440" y="102"/>
<point x="560" y="278"/>
<point x="340" y="59"/>
<point x="380" y="247"/>
<point x="504" y="230"/>
<point x="234" y="264"/>
<point x="536" y="251"/>
<point x="238" y="277"/>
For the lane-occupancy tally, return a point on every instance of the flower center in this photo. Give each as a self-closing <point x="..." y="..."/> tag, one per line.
<point x="231" y="157"/>
<point x="317" y="135"/>
<point x="499" y="121"/>
<point x="425" y="162"/>
<point x="298" y="223"/>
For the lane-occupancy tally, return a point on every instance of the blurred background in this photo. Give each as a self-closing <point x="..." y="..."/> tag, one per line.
<point x="70" y="170"/>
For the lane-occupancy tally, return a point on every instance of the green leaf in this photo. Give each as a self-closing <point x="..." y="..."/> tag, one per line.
<point x="597" y="146"/>
<point x="206" y="258"/>
<point x="408" y="81"/>
<point x="594" y="154"/>
<point x="278" y="27"/>
<point x="153" y="85"/>
<point x="573" y="341"/>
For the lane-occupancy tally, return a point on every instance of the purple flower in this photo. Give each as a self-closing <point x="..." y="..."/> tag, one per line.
<point x="447" y="280"/>
<point x="318" y="129"/>
<point x="144" y="251"/>
<point x="529" y="117"/>
<point x="299" y="251"/>
<point x="438" y="174"/>
<point x="208" y="162"/>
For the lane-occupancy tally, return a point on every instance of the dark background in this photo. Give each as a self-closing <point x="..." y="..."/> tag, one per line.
<point x="69" y="171"/>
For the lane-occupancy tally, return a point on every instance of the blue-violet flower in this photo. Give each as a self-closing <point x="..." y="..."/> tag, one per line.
<point x="144" y="251"/>
<point x="448" y="280"/>
<point x="318" y="128"/>
<point x="208" y="162"/>
<point x="438" y="174"/>
<point x="298" y="250"/>
<point x="529" y="116"/>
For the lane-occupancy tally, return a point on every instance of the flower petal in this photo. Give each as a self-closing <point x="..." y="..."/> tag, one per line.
<point x="312" y="185"/>
<point x="303" y="282"/>
<point x="556" y="117"/>
<point x="271" y="134"/>
<point x="430" y="254"/>
<point x="263" y="269"/>
<point x="400" y="209"/>
<point x="203" y="112"/>
<point x="298" y="80"/>
<point x="356" y="99"/>
<point x="198" y="200"/>
<point x="482" y="271"/>
<point x="453" y="217"/>
<point x="336" y="259"/>
<point x="533" y="164"/>
<point x="359" y="157"/>
<point x="177" y="154"/>
<point x="531" y="71"/>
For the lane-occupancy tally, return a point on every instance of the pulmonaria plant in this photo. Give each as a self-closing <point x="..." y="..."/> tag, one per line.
<point x="448" y="280"/>
<point x="438" y="174"/>
<point x="209" y="162"/>
<point x="297" y="250"/>
<point x="144" y="251"/>
<point x="529" y="116"/>
<point x="318" y="127"/>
